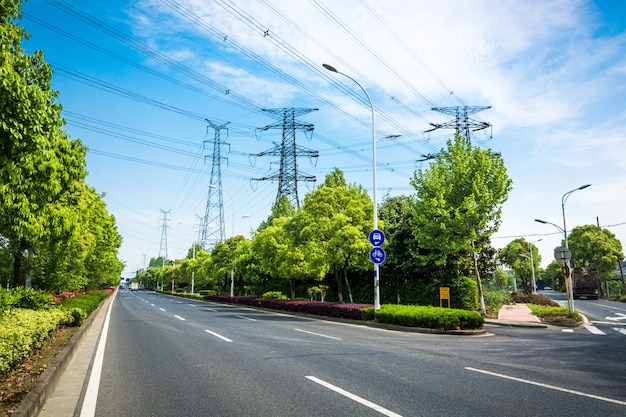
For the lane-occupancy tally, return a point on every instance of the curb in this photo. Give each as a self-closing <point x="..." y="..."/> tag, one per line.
<point x="512" y="323"/>
<point x="35" y="399"/>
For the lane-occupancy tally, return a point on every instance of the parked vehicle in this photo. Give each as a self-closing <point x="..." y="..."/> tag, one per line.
<point x="585" y="283"/>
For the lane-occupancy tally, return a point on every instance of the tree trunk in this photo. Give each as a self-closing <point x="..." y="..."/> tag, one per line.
<point x="292" y="285"/>
<point x="17" y="263"/>
<point x="345" y="276"/>
<point x="339" y="292"/>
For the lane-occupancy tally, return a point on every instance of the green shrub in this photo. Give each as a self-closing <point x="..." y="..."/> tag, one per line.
<point x="429" y="317"/>
<point x="78" y="316"/>
<point x="494" y="300"/>
<point x="24" y="330"/>
<point x="367" y="313"/>
<point x="87" y="302"/>
<point x="276" y="295"/>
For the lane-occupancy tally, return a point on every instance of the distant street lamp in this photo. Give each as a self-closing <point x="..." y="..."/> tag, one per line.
<point x="374" y="192"/>
<point x="570" y="291"/>
<point x="532" y="264"/>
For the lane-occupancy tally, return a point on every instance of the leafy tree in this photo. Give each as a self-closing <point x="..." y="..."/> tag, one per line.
<point x="594" y="246"/>
<point x="458" y="205"/>
<point x="223" y="256"/>
<point x="510" y="256"/>
<point x="281" y="208"/>
<point x="39" y="163"/>
<point x="396" y="215"/>
<point x="334" y="224"/>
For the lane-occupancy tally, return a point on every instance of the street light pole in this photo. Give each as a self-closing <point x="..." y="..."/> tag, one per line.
<point x="570" y="290"/>
<point x="567" y="261"/>
<point x="374" y="191"/>
<point x="232" y="269"/>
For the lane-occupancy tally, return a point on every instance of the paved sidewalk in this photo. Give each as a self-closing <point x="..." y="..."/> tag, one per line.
<point x="517" y="312"/>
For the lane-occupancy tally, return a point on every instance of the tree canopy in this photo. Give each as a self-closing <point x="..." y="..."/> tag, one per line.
<point x="50" y="220"/>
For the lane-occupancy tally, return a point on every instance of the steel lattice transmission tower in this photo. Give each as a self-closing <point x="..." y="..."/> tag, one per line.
<point x="213" y="230"/>
<point x="462" y="124"/>
<point x="163" y="244"/>
<point x="288" y="175"/>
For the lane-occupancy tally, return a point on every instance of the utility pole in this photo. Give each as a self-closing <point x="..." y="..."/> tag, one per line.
<point x="288" y="175"/>
<point x="462" y="124"/>
<point x="213" y="228"/>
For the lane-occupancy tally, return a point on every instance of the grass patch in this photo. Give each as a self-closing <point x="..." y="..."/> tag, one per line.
<point x="559" y="316"/>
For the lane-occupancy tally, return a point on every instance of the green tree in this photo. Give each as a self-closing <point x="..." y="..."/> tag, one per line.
<point x="334" y="224"/>
<point x="458" y="205"/>
<point x="594" y="246"/>
<point x="521" y="265"/>
<point x="224" y="255"/>
<point x="39" y="163"/>
<point x="400" y="264"/>
<point x="281" y="208"/>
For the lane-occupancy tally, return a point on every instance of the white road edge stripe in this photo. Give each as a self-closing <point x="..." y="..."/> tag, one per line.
<point x="356" y="398"/>
<point x="91" y="394"/>
<point x="218" y="335"/>
<point x="317" y="334"/>
<point x="553" y="387"/>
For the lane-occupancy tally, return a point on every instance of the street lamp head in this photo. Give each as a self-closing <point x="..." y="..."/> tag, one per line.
<point x="392" y="135"/>
<point x="582" y="187"/>
<point x="541" y="221"/>
<point x="329" y="67"/>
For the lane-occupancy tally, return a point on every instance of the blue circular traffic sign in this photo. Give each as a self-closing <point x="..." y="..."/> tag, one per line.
<point x="377" y="255"/>
<point x="377" y="237"/>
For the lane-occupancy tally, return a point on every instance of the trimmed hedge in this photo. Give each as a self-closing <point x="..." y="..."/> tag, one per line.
<point x="401" y="315"/>
<point x="337" y="310"/>
<point x="429" y="317"/>
<point x="24" y="330"/>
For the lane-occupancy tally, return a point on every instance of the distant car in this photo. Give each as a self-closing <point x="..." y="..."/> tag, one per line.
<point x="547" y="288"/>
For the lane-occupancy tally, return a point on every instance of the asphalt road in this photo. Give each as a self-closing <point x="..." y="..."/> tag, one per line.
<point x="166" y="356"/>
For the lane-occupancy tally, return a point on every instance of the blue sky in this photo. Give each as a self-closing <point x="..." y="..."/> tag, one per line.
<point x="138" y="79"/>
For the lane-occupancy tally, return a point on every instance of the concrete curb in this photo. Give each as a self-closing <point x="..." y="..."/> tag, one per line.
<point x="33" y="402"/>
<point x="513" y="323"/>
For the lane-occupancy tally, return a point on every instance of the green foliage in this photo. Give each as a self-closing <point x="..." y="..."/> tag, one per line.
<point x="521" y="265"/>
<point x="494" y="300"/>
<point x="555" y="315"/>
<point x="78" y="316"/>
<point x="24" y="330"/>
<point x="593" y="245"/>
<point x="87" y="302"/>
<point x="458" y="201"/>
<point x="429" y="317"/>
<point x="275" y="295"/>
<point x="54" y="228"/>
<point x="24" y="298"/>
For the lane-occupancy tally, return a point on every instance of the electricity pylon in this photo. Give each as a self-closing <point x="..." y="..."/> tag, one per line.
<point x="462" y="124"/>
<point x="213" y="228"/>
<point x="288" y="175"/>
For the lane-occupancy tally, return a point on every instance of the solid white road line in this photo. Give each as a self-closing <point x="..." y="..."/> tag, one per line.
<point x="218" y="335"/>
<point x="353" y="397"/>
<point x="91" y="395"/>
<point x="317" y="334"/>
<point x="553" y="387"/>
